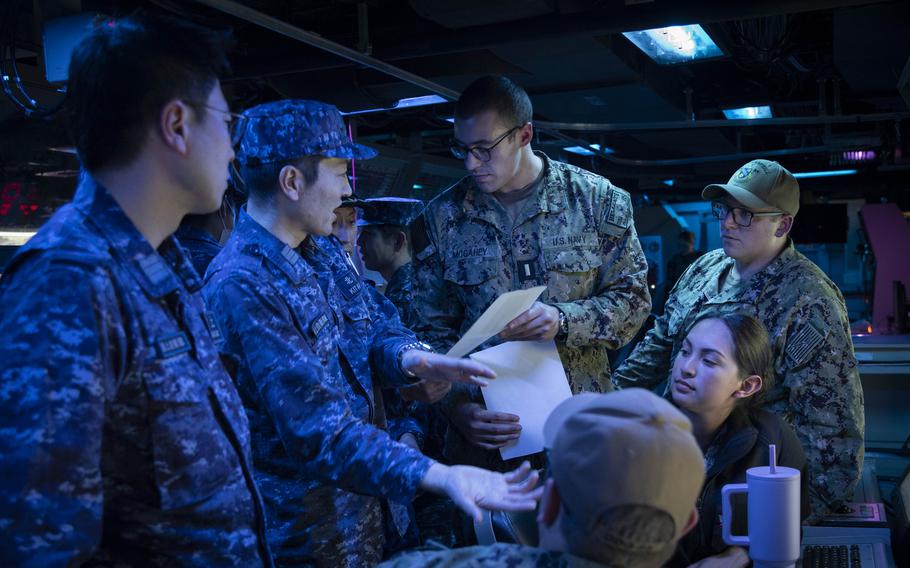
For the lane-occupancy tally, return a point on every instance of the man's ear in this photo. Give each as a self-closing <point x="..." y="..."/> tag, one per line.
<point x="550" y="504"/>
<point x="290" y="182"/>
<point x="525" y="134"/>
<point x="401" y="241"/>
<point x="784" y="226"/>
<point x="750" y="386"/>
<point x="690" y="524"/>
<point x="174" y="123"/>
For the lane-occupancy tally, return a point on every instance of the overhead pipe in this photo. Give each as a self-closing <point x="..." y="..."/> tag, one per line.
<point x="725" y="123"/>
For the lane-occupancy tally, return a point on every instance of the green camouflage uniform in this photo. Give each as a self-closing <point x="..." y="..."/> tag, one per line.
<point x="574" y="235"/>
<point x="496" y="555"/>
<point x="817" y="390"/>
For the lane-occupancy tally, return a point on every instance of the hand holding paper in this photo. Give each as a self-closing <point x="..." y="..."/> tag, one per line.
<point x="505" y="309"/>
<point x="530" y="382"/>
<point x="540" y="322"/>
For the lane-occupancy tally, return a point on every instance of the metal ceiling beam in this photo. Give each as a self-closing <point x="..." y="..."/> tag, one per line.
<point x="724" y="123"/>
<point x="274" y="24"/>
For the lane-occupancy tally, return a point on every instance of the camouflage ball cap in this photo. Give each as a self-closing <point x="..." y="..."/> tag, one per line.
<point x="389" y="211"/>
<point x="628" y="447"/>
<point x="291" y="129"/>
<point x="760" y="184"/>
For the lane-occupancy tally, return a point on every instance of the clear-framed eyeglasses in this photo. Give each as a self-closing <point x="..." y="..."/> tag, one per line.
<point x="483" y="154"/>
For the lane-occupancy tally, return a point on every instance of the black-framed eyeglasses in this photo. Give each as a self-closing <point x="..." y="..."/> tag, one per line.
<point x="460" y="151"/>
<point x="742" y="217"/>
<point x="237" y="125"/>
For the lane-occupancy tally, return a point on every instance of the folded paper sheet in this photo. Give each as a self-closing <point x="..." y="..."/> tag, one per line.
<point x="503" y="310"/>
<point x="530" y="382"/>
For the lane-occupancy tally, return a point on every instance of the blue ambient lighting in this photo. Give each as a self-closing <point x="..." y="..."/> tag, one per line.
<point x="829" y="173"/>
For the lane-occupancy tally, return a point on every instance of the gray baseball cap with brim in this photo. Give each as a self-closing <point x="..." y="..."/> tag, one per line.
<point x="760" y="184"/>
<point x="291" y="129"/>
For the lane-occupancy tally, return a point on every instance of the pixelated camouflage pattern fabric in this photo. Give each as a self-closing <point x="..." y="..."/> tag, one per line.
<point x="304" y="354"/>
<point x="817" y="388"/>
<point x="576" y="236"/>
<point x="124" y="441"/>
<point x="200" y="245"/>
<point x="493" y="556"/>
<point x="289" y="129"/>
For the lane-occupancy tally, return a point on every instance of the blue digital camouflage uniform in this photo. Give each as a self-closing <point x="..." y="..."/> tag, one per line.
<point x="123" y="439"/>
<point x="400" y="292"/>
<point x="492" y="556"/>
<point x="434" y="513"/>
<point x="575" y="235"/>
<point x="817" y="388"/>
<point x="201" y="246"/>
<point x="307" y="336"/>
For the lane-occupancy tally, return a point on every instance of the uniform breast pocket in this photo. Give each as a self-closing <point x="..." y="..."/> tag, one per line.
<point x="357" y="316"/>
<point x="571" y="273"/>
<point x="471" y="278"/>
<point x="193" y="457"/>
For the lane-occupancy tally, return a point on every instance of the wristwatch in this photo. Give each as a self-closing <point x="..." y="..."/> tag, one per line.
<point x="420" y="346"/>
<point x="563" y="325"/>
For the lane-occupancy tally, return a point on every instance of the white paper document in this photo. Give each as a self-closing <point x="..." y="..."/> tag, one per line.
<point x="503" y="310"/>
<point x="530" y="382"/>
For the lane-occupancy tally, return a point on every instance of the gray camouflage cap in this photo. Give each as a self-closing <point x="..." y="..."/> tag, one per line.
<point x="290" y="129"/>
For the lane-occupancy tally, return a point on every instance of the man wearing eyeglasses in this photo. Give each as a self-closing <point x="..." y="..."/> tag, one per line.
<point x="759" y="272"/>
<point x="123" y="438"/>
<point x="519" y="220"/>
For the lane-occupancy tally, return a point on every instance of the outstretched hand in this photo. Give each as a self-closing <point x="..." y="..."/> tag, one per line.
<point x="438" y="367"/>
<point x="473" y="489"/>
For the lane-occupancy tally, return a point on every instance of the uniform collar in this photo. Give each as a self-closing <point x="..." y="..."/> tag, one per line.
<point x="750" y="290"/>
<point x="550" y="197"/>
<point x="252" y="238"/>
<point x="400" y="276"/>
<point x="158" y="272"/>
<point x="187" y="233"/>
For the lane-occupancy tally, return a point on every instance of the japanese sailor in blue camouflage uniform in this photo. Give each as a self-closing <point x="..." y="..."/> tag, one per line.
<point x="385" y="247"/>
<point x="759" y="272"/>
<point x="522" y="220"/>
<point x="309" y="336"/>
<point x="124" y="440"/>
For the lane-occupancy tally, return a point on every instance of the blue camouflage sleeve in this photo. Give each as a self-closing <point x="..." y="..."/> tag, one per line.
<point x="57" y="370"/>
<point x="388" y="336"/>
<point x="312" y="416"/>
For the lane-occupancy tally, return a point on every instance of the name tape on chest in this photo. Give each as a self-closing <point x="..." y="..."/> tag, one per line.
<point x="319" y="325"/>
<point x="171" y="345"/>
<point x="350" y="285"/>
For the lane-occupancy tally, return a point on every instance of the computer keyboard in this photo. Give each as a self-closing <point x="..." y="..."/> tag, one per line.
<point x="835" y="556"/>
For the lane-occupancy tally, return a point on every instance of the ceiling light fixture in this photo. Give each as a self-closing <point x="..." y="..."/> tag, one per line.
<point x="587" y="150"/>
<point x="675" y="44"/>
<point x="748" y="113"/>
<point x="410" y="102"/>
